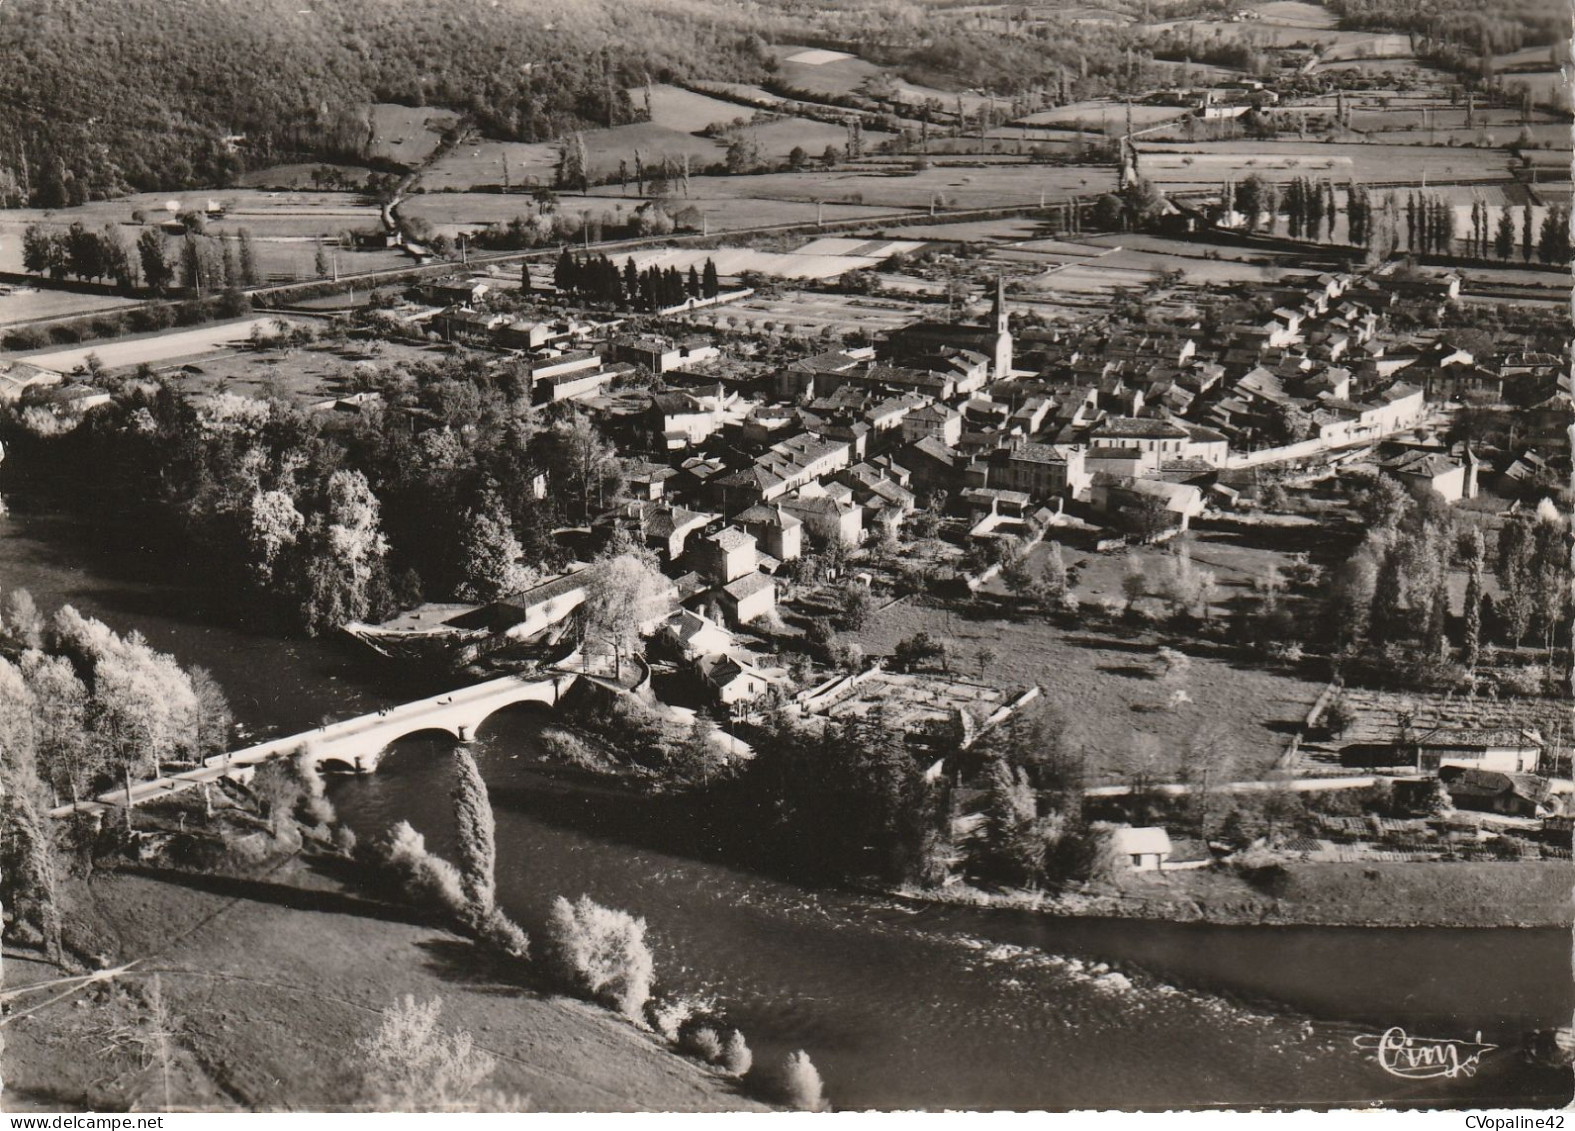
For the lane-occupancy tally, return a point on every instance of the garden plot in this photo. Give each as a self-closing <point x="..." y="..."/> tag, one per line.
<point x="812" y="315"/>
<point x="912" y="702"/>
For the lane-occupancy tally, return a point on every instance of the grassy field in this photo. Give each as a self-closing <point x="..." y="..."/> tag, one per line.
<point x="302" y="375"/>
<point x="1294" y="13"/>
<point x="284" y="225"/>
<point x="270" y="984"/>
<point x="1207" y="165"/>
<point x="949" y="186"/>
<point x="1103" y="116"/>
<point x="407" y="135"/>
<point x="452" y="212"/>
<point x="1369" y="894"/>
<point x="1106" y="685"/>
<point x="680" y="109"/>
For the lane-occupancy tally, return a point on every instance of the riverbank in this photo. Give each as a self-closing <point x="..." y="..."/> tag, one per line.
<point x="1517" y="894"/>
<point x="273" y="981"/>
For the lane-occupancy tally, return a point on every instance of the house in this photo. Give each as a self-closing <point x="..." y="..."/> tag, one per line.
<point x="1450" y="749"/>
<point x="933" y="465"/>
<point x="667" y="528"/>
<point x="662" y="355"/>
<point x="694" y="634"/>
<point x="68" y="400"/>
<point x="1506" y="751"/>
<point x="751" y="596"/>
<point x="1146" y="434"/>
<point x="677" y="420"/>
<point x="571" y="381"/>
<point x="828" y="517"/>
<point x="1491" y="791"/>
<point x="1132" y="501"/>
<point x="726" y="555"/>
<point x="647" y="481"/>
<point x="16" y="377"/>
<point x="820" y="373"/>
<point x="731" y="679"/>
<point x="455" y="292"/>
<point x="1143" y="849"/>
<point x="1040" y="470"/>
<point x="777" y="531"/>
<point x="945" y="424"/>
<point x="1422" y="471"/>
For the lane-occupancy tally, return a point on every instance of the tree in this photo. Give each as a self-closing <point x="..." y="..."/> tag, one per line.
<point x="118" y="263"/>
<point x="28" y="869"/>
<point x="320" y="264"/>
<point x="1515" y="570"/>
<point x="1142" y="203"/>
<point x="248" y="259"/>
<point x="475" y="836"/>
<point x="1553" y="246"/>
<point x="1473" y="552"/>
<point x="623" y="593"/>
<point x="411" y="1064"/>
<point x="601" y="952"/>
<point x="157" y="270"/>
<point x="1249" y="199"/>
<point x="986" y="656"/>
<point x="343" y="554"/>
<point x="490" y="556"/>
<point x="710" y="287"/>
<point x="1504" y="237"/>
<point x="1526" y="242"/>
<point x="278" y="791"/>
<point x="857" y="608"/>
<point x="45" y="252"/>
<point x="71" y="762"/>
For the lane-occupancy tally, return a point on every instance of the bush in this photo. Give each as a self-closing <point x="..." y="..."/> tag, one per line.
<point x="344" y="839"/>
<point x="424" y="879"/>
<point x="668" y="1015"/>
<point x="798" y="1084"/>
<point x="412" y="1064"/>
<point x="703" y="1043"/>
<point x="601" y="952"/>
<point x="503" y="935"/>
<point x="736" y="1057"/>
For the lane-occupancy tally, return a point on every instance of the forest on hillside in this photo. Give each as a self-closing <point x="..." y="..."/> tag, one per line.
<point x="101" y="98"/>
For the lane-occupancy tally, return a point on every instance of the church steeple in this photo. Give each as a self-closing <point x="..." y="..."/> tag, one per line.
<point x="1002" y="354"/>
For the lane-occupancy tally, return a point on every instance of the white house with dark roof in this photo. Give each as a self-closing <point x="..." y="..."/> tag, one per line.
<point x="751" y="596"/>
<point x="778" y="532"/>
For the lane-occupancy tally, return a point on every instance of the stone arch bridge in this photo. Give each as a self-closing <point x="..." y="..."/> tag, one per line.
<point x="356" y="744"/>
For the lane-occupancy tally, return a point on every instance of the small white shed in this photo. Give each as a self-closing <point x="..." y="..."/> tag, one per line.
<point x="1143" y="849"/>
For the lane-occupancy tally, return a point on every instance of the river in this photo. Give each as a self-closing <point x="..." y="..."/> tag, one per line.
<point x="900" y="1006"/>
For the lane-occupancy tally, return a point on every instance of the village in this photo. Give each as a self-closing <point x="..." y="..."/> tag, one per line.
<point x="802" y="505"/>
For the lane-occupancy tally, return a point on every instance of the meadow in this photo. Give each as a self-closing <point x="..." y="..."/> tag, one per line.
<point x="1106" y="685"/>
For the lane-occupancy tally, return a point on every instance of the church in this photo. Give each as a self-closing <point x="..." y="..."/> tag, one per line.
<point x="937" y="345"/>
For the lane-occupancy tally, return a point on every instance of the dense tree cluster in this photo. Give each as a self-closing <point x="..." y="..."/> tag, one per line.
<point x="81" y="708"/>
<point x="441" y="490"/>
<point x="1390" y="599"/>
<point x="597" y="279"/>
<point x="195" y="261"/>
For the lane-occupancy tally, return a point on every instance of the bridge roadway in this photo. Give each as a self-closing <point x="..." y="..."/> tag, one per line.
<point x="354" y="744"/>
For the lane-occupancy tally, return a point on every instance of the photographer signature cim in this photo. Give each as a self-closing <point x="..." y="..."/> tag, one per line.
<point x="1423" y="1058"/>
